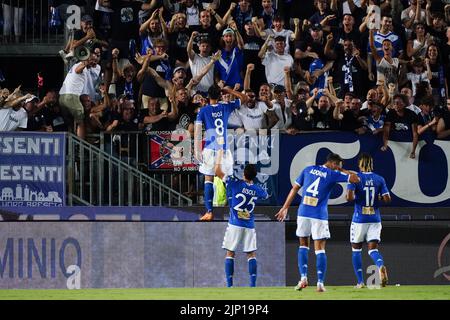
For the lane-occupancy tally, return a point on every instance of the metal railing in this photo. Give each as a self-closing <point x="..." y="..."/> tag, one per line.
<point x="95" y="177"/>
<point x="133" y="148"/>
<point x="35" y="23"/>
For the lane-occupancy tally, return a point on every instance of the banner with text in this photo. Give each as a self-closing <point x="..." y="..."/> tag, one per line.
<point x="32" y="169"/>
<point x="420" y="182"/>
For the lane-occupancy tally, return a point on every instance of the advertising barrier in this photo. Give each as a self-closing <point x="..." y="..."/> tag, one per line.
<point x="60" y="255"/>
<point x="420" y="182"/>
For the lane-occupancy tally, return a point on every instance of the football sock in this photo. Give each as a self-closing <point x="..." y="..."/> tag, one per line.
<point x="209" y="195"/>
<point x="357" y="264"/>
<point x="321" y="264"/>
<point x="252" y="269"/>
<point x="229" y="270"/>
<point x="302" y="257"/>
<point x="376" y="257"/>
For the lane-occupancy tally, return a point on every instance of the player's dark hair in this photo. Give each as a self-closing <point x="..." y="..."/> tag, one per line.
<point x="334" y="157"/>
<point x="214" y="92"/>
<point x="365" y="162"/>
<point x="250" y="172"/>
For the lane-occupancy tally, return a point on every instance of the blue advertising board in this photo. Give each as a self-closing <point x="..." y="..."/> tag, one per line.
<point x="32" y="169"/>
<point x="420" y="182"/>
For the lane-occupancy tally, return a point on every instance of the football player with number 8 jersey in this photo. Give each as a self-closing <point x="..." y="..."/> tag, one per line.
<point x="215" y="118"/>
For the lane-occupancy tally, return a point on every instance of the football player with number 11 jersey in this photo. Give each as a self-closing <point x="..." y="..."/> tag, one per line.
<point x="366" y="222"/>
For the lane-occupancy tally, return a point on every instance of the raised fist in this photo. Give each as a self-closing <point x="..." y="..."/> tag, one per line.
<point x="250" y="67"/>
<point x="115" y="53"/>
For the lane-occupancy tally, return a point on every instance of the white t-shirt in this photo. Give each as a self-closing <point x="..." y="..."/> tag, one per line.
<point x="74" y="82"/>
<point x="253" y="118"/>
<point x="286" y="121"/>
<point x="275" y="64"/>
<point x="11" y="119"/>
<point x="388" y="72"/>
<point x="197" y="65"/>
<point x="92" y="78"/>
<point x="193" y="16"/>
<point x="416" y="78"/>
<point x="284" y="33"/>
<point x="414" y="108"/>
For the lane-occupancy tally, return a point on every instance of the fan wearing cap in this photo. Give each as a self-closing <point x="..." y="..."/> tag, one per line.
<point x="197" y="61"/>
<point x="275" y="60"/>
<point x="279" y="30"/>
<point x="80" y="37"/>
<point x="228" y="67"/>
<point x="282" y="107"/>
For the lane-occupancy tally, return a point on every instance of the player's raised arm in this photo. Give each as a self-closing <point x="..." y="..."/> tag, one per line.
<point x="241" y="96"/>
<point x="281" y="215"/>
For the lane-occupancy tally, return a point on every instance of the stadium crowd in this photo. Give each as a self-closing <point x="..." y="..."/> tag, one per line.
<point x="367" y="66"/>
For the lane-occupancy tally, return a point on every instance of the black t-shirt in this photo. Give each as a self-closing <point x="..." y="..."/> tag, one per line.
<point x="186" y="116"/>
<point x="149" y="86"/>
<point x="324" y="120"/>
<point x="308" y="42"/>
<point x="54" y="118"/>
<point x="178" y="44"/>
<point x="78" y="34"/>
<point x="300" y="118"/>
<point x="102" y="24"/>
<point x="36" y="122"/>
<point x="210" y="33"/>
<point x="131" y="89"/>
<point x="125" y="20"/>
<point x="252" y="45"/>
<point x="401" y="123"/>
<point x="341" y="66"/>
<point x="340" y="35"/>
<point x="350" y="121"/>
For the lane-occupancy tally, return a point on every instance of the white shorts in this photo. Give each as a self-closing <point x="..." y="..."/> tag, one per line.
<point x="234" y="235"/>
<point x="360" y="232"/>
<point x="315" y="227"/>
<point x="209" y="161"/>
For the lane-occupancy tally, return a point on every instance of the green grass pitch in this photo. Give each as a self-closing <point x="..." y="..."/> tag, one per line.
<point x="238" y="293"/>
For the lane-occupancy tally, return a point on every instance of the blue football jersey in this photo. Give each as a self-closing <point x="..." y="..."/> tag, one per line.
<point x="317" y="183"/>
<point x="242" y="201"/>
<point x="215" y="118"/>
<point x="367" y="192"/>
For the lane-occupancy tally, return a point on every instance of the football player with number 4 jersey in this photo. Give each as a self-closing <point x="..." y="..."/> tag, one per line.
<point x="241" y="225"/>
<point x="366" y="222"/>
<point x="215" y="118"/>
<point x="317" y="182"/>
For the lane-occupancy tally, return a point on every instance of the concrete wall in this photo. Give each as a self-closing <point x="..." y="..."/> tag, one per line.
<point x="132" y="254"/>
